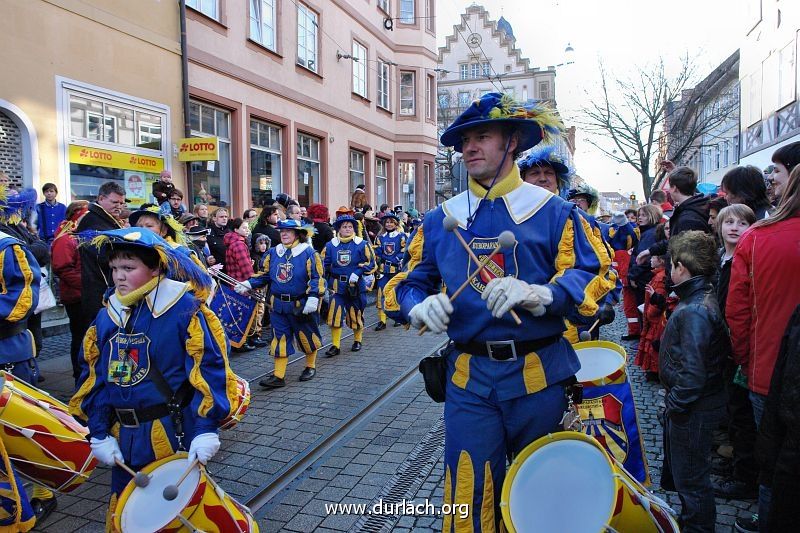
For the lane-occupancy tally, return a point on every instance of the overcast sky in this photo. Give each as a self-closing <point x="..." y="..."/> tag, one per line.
<point x="619" y="33"/>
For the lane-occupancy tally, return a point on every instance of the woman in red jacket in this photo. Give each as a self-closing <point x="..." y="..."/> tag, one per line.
<point x="66" y="263"/>
<point x="762" y="295"/>
<point x="238" y="263"/>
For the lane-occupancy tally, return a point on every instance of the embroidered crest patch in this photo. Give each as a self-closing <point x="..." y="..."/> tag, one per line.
<point x="285" y="272"/>
<point x="502" y="264"/>
<point x="389" y="248"/>
<point x="129" y="362"/>
<point x="343" y="257"/>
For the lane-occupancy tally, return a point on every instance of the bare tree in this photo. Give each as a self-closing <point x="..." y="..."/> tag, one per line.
<point x="632" y="116"/>
<point x="448" y="109"/>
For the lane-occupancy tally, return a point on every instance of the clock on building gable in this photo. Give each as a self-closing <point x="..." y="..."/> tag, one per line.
<point x="474" y="40"/>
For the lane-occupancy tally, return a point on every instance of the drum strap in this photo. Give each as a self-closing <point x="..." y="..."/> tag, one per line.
<point x="175" y="401"/>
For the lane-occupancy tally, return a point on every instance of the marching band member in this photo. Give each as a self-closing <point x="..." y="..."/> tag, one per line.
<point x="154" y="346"/>
<point x="505" y="384"/>
<point x="293" y="272"/>
<point x="349" y="263"/>
<point x="547" y="169"/>
<point x="389" y="249"/>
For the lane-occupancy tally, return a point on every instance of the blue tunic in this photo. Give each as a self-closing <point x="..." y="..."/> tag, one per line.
<point x="19" y="280"/>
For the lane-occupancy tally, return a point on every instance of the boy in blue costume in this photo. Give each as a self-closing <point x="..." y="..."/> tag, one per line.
<point x="293" y="272"/>
<point x="389" y="249"/>
<point x="349" y="263"/>
<point x="505" y="383"/>
<point x="155" y="374"/>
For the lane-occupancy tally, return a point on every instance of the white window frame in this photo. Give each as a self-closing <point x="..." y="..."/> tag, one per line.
<point x="385" y="6"/>
<point x="412" y="110"/>
<point x="487" y="68"/>
<point x="145" y="130"/>
<point x="209" y="8"/>
<point x="429" y="17"/>
<point x="384" y="94"/>
<point x="463" y="99"/>
<point x="358" y="168"/>
<point x="261" y="27"/>
<point x="464" y="72"/>
<point x="301" y="137"/>
<point x="475" y="70"/>
<point x="408" y="11"/>
<point x="430" y="90"/>
<point x="381" y="178"/>
<point x="277" y="187"/>
<point x="787" y="74"/>
<point x="307" y="48"/>
<point x="359" y="62"/>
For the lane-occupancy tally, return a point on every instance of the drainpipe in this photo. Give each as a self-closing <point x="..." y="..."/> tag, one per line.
<point x="187" y="129"/>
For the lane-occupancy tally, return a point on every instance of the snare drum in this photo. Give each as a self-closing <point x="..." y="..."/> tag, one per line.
<point x="602" y="363"/>
<point x="566" y="482"/>
<point x="44" y="442"/>
<point x="201" y="504"/>
<point x="242" y="403"/>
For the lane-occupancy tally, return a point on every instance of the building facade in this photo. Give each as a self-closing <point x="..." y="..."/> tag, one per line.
<point x="77" y="111"/>
<point x="312" y="98"/>
<point x="769" y="75"/>
<point x="702" y="128"/>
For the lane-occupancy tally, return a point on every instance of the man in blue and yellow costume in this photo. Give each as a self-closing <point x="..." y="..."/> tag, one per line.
<point x="155" y="376"/>
<point x="505" y="383"/>
<point x="349" y="264"/>
<point x="293" y="272"/>
<point x="389" y="249"/>
<point x="543" y="166"/>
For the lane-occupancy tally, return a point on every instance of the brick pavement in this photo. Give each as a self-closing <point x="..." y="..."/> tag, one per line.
<point x="361" y="466"/>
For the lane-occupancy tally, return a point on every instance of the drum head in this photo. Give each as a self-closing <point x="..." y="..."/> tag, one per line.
<point x="565" y="486"/>
<point x="147" y="510"/>
<point x="597" y="361"/>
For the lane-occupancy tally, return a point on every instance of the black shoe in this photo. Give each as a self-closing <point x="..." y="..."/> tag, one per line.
<point x="333" y="350"/>
<point x="308" y="374"/>
<point x="272" y="383"/>
<point x="43" y="508"/>
<point x="651" y="377"/>
<point x="733" y="489"/>
<point x="396" y="324"/>
<point x="356" y="347"/>
<point x="258" y="343"/>
<point x="381" y="326"/>
<point x="244" y="348"/>
<point x="630" y="337"/>
<point x="721" y="466"/>
<point x="747" y="525"/>
<point x="250" y="345"/>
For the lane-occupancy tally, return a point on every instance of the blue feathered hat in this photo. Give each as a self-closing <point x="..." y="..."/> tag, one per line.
<point x="535" y="121"/>
<point x="341" y="219"/>
<point x="390" y="214"/>
<point x="15" y="207"/>
<point x="176" y="261"/>
<point x="296" y="225"/>
<point x="545" y="155"/>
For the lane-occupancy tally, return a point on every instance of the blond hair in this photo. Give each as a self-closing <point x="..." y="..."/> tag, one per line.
<point x="653" y="212"/>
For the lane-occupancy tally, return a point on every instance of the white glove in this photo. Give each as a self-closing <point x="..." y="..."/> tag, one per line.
<point x="502" y="294"/>
<point x="353" y="278"/>
<point x="216" y="268"/>
<point x="312" y="304"/>
<point x="434" y="312"/>
<point x="204" y="446"/>
<point x="106" y="450"/>
<point x="243" y="287"/>
<point x="369" y="280"/>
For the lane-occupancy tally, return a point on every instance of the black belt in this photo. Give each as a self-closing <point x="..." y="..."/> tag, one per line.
<point x="505" y="350"/>
<point x="133" y="418"/>
<point x="288" y="297"/>
<point x="10" y="330"/>
<point x="344" y="279"/>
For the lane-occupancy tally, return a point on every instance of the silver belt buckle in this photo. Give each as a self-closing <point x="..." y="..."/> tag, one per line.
<point x="127" y="415"/>
<point x="286" y="297"/>
<point x="492" y="346"/>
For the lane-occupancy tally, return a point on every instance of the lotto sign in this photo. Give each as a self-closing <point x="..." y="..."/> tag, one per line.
<point x="198" y="149"/>
<point x="84" y="155"/>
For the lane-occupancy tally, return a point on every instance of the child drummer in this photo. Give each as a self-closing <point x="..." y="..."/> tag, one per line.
<point x="153" y="346"/>
<point x="389" y="249"/>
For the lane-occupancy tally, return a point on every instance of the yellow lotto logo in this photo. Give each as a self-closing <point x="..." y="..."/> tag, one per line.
<point x="85" y="155"/>
<point x="198" y="149"/>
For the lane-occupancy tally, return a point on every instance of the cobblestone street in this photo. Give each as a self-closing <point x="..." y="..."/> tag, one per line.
<point x="394" y="453"/>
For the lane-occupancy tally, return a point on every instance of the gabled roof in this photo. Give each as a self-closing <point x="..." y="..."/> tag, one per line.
<point x="503" y="33"/>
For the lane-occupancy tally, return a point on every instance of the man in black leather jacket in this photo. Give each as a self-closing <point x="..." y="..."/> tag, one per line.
<point x="691" y="361"/>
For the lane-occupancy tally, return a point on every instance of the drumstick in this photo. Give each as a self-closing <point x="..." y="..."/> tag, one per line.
<point x="171" y="491"/>
<point x="587" y="335"/>
<point x="505" y="240"/>
<point x="140" y="479"/>
<point x="451" y="224"/>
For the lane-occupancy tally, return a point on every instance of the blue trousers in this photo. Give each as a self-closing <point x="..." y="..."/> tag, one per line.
<point x="304" y="329"/>
<point x="480" y="435"/>
<point x="345" y="309"/>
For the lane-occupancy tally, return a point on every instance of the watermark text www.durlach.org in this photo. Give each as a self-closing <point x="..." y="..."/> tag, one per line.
<point x="399" y="508"/>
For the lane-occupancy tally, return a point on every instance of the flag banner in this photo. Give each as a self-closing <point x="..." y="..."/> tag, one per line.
<point x="609" y="415"/>
<point x="235" y="311"/>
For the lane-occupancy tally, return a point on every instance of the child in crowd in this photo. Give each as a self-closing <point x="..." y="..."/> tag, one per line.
<point x="258" y="248"/>
<point x="163" y="187"/>
<point x="50" y="213"/>
<point x="655" y="302"/>
<point x="691" y="358"/>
